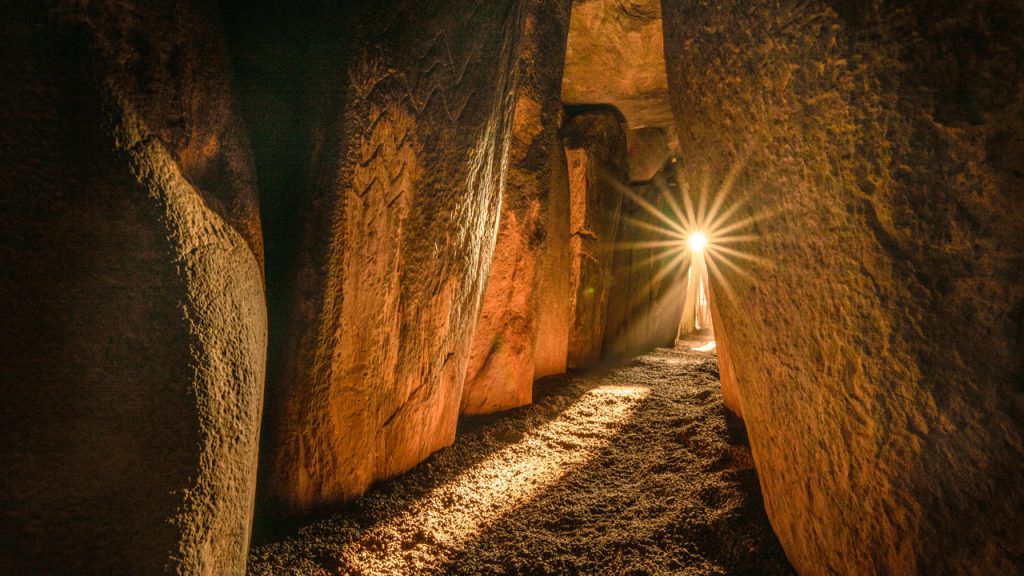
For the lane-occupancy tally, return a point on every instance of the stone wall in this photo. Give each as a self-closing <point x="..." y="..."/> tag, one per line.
<point x="554" y="305"/>
<point x="501" y="365"/>
<point x="726" y="370"/>
<point x="595" y="146"/>
<point x="132" y="316"/>
<point x="878" y="346"/>
<point x="404" y="111"/>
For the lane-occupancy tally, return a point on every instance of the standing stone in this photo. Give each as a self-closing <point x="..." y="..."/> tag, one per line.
<point x="501" y="366"/>
<point x="132" y="318"/>
<point x="406" y="117"/>
<point x="596" y="151"/>
<point x="726" y="371"/>
<point x="879" y="346"/>
<point x="554" y="305"/>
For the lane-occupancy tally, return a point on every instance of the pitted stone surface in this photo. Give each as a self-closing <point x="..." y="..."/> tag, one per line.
<point x="409" y="114"/>
<point x="532" y="225"/>
<point x="132" y="316"/>
<point x="878" y="347"/>
<point x="595" y="146"/>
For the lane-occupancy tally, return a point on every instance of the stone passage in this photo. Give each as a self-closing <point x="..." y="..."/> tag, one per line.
<point x="632" y="470"/>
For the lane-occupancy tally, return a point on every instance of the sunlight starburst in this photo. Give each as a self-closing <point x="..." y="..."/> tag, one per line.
<point x="681" y="227"/>
<point x="697" y="241"/>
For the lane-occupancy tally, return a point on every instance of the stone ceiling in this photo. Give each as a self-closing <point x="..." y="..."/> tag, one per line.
<point x="615" y="56"/>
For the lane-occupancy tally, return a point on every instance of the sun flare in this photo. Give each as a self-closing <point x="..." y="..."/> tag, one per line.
<point x="686" y="223"/>
<point x="697" y="241"/>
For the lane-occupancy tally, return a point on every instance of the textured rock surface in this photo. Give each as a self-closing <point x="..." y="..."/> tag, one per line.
<point x="727" y="372"/>
<point x="615" y="57"/>
<point x="647" y="151"/>
<point x="646" y="294"/>
<point x="878" y="351"/>
<point x="132" y="320"/>
<point x="409" y="111"/>
<point x="501" y="364"/>
<point x="596" y="150"/>
<point x="554" y="305"/>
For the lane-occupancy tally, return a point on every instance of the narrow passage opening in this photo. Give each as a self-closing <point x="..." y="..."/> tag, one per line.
<point x="627" y="460"/>
<point x="696" y="316"/>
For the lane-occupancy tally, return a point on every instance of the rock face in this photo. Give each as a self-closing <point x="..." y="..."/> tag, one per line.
<point x="132" y="316"/>
<point x="615" y="57"/>
<point x="647" y="151"/>
<point x="554" y="305"/>
<point x="596" y="151"/>
<point x="501" y="364"/>
<point x="648" y="281"/>
<point x="726" y="371"/>
<point x="879" y="348"/>
<point x="408" y="113"/>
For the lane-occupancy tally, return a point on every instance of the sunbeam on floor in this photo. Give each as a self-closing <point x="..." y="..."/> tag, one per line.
<point x="632" y="469"/>
<point x="491" y="489"/>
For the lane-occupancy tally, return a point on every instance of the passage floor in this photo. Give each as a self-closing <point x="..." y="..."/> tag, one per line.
<point x="632" y="469"/>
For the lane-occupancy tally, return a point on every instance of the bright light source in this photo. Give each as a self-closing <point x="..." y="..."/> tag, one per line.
<point x="697" y="241"/>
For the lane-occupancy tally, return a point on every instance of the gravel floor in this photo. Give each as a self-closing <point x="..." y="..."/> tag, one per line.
<point x="628" y="470"/>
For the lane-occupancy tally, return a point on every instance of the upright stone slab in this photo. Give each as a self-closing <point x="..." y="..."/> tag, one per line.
<point x="406" y="114"/>
<point x="726" y="371"/>
<point x="596" y="151"/>
<point x="879" y="346"/>
<point x="501" y="366"/>
<point x="132" y="318"/>
<point x="554" y="306"/>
